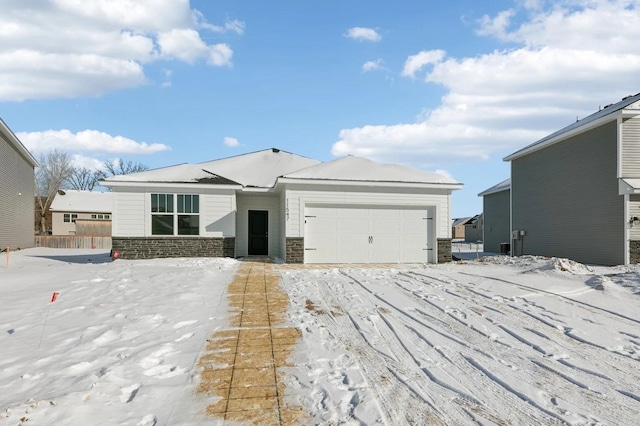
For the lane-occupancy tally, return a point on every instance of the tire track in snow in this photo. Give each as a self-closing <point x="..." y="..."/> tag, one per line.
<point x="521" y="414"/>
<point x="614" y="416"/>
<point x="398" y="403"/>
<point x="589" y="354"/>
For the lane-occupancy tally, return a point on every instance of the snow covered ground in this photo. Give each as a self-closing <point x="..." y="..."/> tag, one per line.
<point x="496" y="340"/>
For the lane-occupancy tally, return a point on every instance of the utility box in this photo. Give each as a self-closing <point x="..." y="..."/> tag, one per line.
<point x="505" y="248"/>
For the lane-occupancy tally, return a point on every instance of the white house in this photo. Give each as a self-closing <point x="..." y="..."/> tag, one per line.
<point x="17" y="189"/>
<point x="70" y="205"/>
<point x="278" y="204"/>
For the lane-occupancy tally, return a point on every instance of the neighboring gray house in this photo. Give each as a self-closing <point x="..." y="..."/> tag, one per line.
<point x="576" y="192"/>
<point x="274" y="203"/>
<point x="473" y="229"/>
<point x="17" y="189"/>
<point x="496" y="208"/>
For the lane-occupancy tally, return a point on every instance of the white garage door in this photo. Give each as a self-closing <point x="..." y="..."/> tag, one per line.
<point x="367" y="234"/>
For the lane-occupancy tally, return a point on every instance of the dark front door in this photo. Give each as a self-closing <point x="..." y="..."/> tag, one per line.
<point x="258" y="233"/>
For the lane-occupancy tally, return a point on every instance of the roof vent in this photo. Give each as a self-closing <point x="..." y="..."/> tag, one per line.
<point x="607" y="106"/>
<point x="276" y="150"/>
<point x="627" y="97"/>
<point x="61" y="192"/>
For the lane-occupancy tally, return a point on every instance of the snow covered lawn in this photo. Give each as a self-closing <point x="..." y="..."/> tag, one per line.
<point x="495" y="341"/>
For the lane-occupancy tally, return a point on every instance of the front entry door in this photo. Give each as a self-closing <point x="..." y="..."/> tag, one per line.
<point x="258" y="233"/>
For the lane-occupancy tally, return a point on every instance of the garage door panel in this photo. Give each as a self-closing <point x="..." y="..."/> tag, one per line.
<point x="366" y="234"/>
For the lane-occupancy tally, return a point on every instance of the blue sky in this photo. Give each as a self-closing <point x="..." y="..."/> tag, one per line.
<point x="450" y="87"/>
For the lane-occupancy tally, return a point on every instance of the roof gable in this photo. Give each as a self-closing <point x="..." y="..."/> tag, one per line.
<point x="351" y="168"/>
<point x="606" y="114"/>
<point x="505" y="185"/>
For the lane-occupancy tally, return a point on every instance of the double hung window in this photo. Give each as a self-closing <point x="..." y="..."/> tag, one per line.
<point x="175" y="214"/>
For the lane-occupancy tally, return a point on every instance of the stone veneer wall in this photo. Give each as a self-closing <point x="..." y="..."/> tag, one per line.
<point x="155" y="247"/>
<point x="634" y="251"/>
<point x="295" y="250"/>
<point x="444" y="250"/>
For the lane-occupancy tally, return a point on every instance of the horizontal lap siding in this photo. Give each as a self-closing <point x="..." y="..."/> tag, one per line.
<point x="566" y="199"/>
<point x="496" y="208"/>
<point x="217" y="215"/>
<point x="16" y="198"/>
<point x="129" y="214"/>
<point x="630" y="148"/>
<point x="296" y="197"/>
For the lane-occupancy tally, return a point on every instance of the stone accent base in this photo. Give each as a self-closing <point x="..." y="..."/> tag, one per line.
<point x="294" y="250"/>
<point x="157" y="247"/>
<point x="444" y="250"/>
<point x="634" y="251"/>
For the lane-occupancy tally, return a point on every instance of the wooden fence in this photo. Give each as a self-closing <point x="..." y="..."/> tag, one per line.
<point x="93" y="228"/>
<point x="72" y="241"/>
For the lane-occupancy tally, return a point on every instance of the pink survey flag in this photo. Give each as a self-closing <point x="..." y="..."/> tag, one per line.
<point x="54" y="296"/>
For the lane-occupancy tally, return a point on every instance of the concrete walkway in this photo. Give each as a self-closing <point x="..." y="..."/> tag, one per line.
<point x="241" y="363"/>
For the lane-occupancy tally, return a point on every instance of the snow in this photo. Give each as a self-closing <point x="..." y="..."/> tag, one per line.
<point x="71" y="200"/>
<point x="493" y="340"/>
<point x="352" y="168"/>
<point x="258" y="169"/>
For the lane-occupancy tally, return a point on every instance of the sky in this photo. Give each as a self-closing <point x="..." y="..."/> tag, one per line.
<point x="451" y="88"/>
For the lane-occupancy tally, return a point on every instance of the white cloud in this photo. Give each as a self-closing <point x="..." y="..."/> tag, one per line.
<point x="232" y="142"/>
<point x="233" y="26"/>
<point x="90" y="163"/>
<point x="363" y="34"/>
<point x="415" y="63"/>
<point x="71" y="48"/>
<point x="86" y="141"/>
<point x="372" y="65"/>
<point x="567" y="60"/>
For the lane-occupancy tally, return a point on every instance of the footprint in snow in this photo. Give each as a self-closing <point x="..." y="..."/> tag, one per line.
<point x="127" y="393"/>
<point x="148" y="420"/>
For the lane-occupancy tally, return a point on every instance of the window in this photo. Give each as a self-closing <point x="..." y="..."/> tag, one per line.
<point x="188" y="219"/>
<point x="70" y="217"/>
<point x="67" y="217"/>
<point x="185" y="219"/>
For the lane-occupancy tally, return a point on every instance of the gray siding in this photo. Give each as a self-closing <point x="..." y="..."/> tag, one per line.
<point x="16" y="211"/>
<point x="497" y="221"/>
<point x="566" y="199"/>
<point x="630" y="161"/>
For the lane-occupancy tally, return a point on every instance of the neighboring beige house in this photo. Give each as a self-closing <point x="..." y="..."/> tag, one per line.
<point x="278" y="204"/>
<point x="457" y="227"/>
<point x="71" y="205"/>
<point x="17" y="188"/>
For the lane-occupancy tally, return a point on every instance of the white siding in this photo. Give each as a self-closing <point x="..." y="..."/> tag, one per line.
<point x="630" y="148"/>
<point x="129" y="214"/>
<point x="132" y="211"/>
<point x="218" y="215"/>
<point x="297" y="197"/>
<point x="16" y="198"/>
<point x="270" y="203"/>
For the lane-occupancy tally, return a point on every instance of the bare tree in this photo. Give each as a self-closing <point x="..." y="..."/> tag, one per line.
<point x="53" y="170"/>
<point x="84" y="179"/>
<point x="120" y="167"/>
